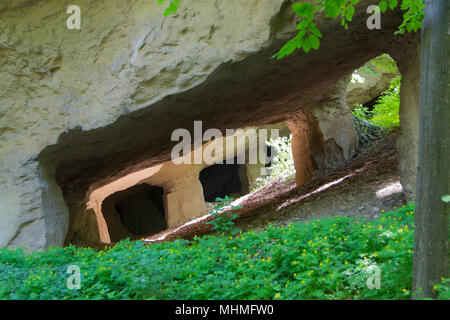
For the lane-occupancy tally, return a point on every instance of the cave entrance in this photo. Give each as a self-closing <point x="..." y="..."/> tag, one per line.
<point x="134" y="212"/>
<point x="224" y="179"/>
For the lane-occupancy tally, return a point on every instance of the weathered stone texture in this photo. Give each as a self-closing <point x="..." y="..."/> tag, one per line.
<point x="407" y="55"/>
<point x="82" y="108"/>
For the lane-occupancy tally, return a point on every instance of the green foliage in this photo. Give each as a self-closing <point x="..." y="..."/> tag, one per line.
<point x="383" y="118"/>
<point x="309" y="35"/>
<point x="446" y="198"/>
<point x="443" y="289"/>
<point x="172" y="8"/>
<point x="385" y="111"/>
<point x="320" y="259"/>
<point x="413" y="17"/>
<point x="224" y="213"/>
<point x="282" y="165"/>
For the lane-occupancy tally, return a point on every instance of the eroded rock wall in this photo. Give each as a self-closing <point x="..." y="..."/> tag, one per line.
<point x="323" y="137"/>
<point x="82" y="108"/>
<point x="125" y="57"/>
<point x="407" y="55"/>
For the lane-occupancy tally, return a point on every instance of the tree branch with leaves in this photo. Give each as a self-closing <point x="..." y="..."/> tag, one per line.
<point x="309" y="35"/>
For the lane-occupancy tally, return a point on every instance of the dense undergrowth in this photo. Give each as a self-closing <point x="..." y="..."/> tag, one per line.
<point x="373" y="125"/>
<point x="282" y="164"/>
<point x="385" y="112"/>
<point x="321" y="259"/>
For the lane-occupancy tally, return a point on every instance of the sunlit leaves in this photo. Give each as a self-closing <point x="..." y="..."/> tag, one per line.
<point x="413" y="17"/>
<point x="383" y="5"/>
<point x="392" y="4"/>
<point x="172" y="8"/>
<point x="309" y="35"/>
<point x="332" y="10"/>
<point x="315" y="31"/>
<point x="304" y="10"/>
<point x="306" y="45"/>
<point x="345" y="9"/>
<point x="350" y="11"/>
<point x="314" y="41"/>
<point x="385" y="112"/>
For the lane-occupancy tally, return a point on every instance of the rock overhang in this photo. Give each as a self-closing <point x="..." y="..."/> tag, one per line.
<point x="80" y="110"/>
<point x="252" y="90"/>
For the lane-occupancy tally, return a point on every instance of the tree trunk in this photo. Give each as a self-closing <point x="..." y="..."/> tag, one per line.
<point x="431" y="247"/>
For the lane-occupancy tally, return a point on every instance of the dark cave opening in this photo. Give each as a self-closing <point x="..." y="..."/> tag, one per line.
<point x="135" y="212"/>
<point x="224" y="179"/>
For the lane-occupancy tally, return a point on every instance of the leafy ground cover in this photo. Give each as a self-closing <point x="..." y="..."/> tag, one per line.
<point x="321" y="259"/>
<point x="385" y="113"/>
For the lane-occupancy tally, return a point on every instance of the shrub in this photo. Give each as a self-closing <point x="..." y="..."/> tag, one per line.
<point x="385" y="112"/>
<point x="282" y="164"/>
<point x="224" y="213"/>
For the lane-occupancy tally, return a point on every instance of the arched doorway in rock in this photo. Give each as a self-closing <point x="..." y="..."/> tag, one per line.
<point x="134" y="212"/>
<point x="224" y="179"/>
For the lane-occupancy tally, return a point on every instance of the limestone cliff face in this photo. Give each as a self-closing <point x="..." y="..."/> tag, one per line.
<point x="126" y="56"/>
<point x="80" y="108"/>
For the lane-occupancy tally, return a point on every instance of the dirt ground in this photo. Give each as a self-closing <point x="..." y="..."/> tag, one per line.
<point x="361" y="188"/>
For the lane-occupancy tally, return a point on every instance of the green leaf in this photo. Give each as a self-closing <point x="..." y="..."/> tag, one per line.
<point x="409" y="27"/>
<point x="316" y="32"/>
<point x="172" y="8"/>
<point x="392" y="4"/>
<point x="304" y="10"/>
<point x="383" y="5"/>
<point x="297" y="7"/>
<point x="302" y="24"/>
<point x="308" y="14"/>
<point x="332" y="10"/>
<point x="287" y="49"/>
<point x="314" y="41"/>
<point x="300" y="35"/>
<point x="446" y="198"/>
<point x="349" y="13"/>
<point x="306" y="45"/>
